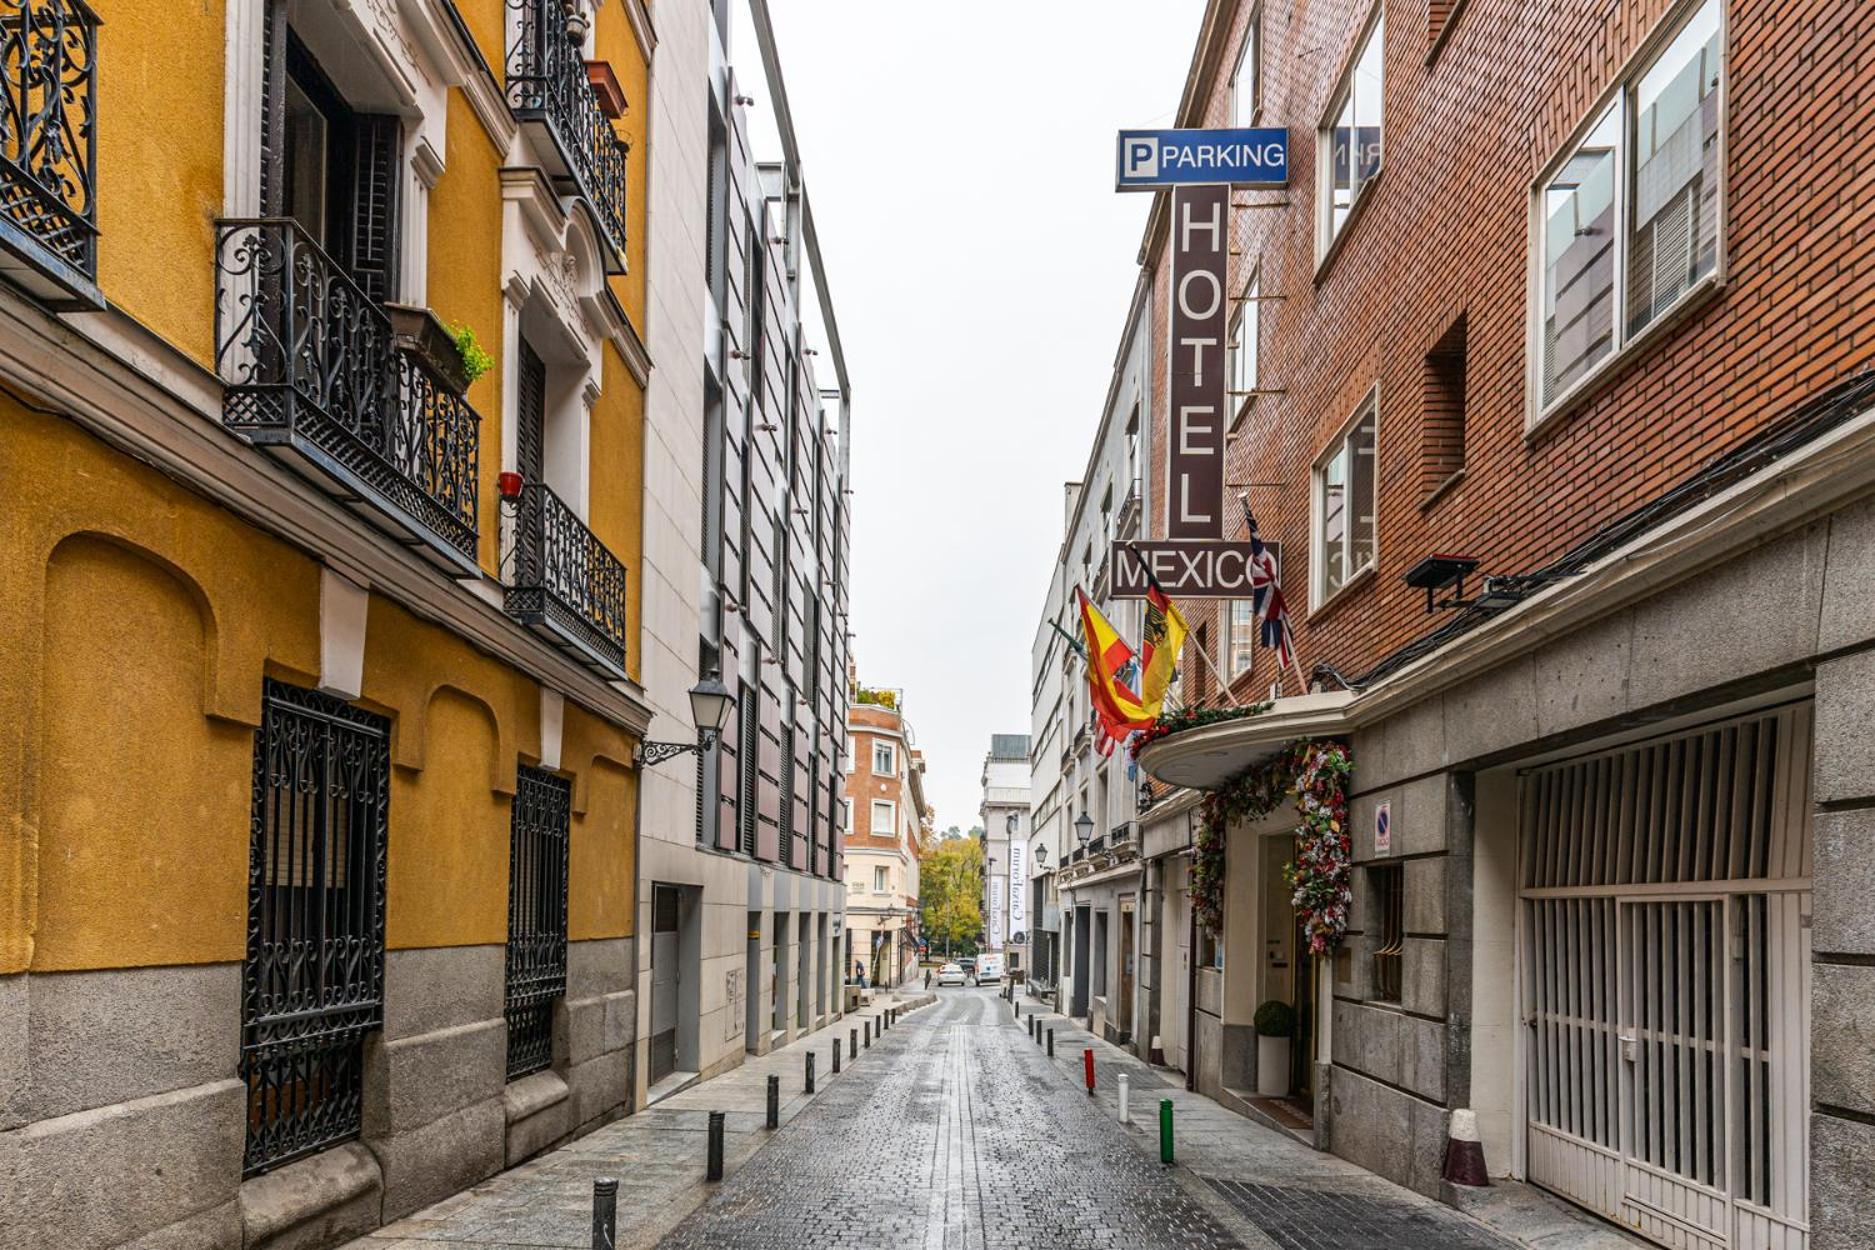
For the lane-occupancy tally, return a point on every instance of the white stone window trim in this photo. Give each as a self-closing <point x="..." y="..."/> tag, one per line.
<point x="1539" y="416"/>
<point x="1320" y="598"/>
<point x="1249" y="52"/>
<point x="1328" y="239"/>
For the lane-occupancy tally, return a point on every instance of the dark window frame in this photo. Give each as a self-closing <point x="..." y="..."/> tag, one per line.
<point x="539" y="838"/>
<point x="313" y="978"/>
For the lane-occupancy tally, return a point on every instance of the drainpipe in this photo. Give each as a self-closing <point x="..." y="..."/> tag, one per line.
<point x="1191" y="1005"/>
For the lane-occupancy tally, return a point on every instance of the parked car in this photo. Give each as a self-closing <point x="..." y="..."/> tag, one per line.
<point x="989" y="970"/>
<point x="952" y="974"/>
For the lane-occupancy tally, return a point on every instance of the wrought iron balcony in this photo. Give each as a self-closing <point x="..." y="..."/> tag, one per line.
<point x="550" y="92"/>
<point x="311" y="367"/>
<point x="48" y="150"/>
<point x="567" y="583"/>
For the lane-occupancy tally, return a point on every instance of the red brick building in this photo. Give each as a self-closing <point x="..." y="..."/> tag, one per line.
<point x="1584" y="293"/>
<point x="885" y="810"/>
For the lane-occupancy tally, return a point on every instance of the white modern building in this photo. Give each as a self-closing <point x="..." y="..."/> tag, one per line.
<point x="1004" y="813"/>
<point x="745" y="540"/>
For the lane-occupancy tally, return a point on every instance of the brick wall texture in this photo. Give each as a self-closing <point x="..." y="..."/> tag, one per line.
<point x="1445" y="235"/>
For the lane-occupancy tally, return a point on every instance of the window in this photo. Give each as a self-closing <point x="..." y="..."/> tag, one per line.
<point x="1244" y="348"/>
<point x="884" y="759"/>
<point x="1442" y="410"/>
<point x="1350" y="143"/>
<point x="1628" y="219"/>
<point x="339" y="174"/>
<point x="884" y="818"/>
<point x="1386" y="889"/>
<point x="1344" y="506"/>
<point x="1243" y="636"/>
<point x="315" y="947"/>
<point x="1246" y="82"/>
<point x="537" y="846"/>
<point x="881" y="881"/>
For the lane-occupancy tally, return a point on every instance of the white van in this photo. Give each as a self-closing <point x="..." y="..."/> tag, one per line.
<point x="989" y="969"/>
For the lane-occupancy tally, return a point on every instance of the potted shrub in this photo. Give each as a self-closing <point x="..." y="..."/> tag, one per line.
<point x="1275" y="1025"/>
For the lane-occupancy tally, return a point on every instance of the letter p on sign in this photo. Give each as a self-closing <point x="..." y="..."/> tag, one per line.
<point x="1142" y="158"/>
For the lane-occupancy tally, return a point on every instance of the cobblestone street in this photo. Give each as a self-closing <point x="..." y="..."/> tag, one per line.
<point x="954" y="1132"/>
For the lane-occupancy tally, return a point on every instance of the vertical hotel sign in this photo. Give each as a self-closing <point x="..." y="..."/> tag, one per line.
<point x="1018" y="890"/>
<point x="1200" y="314"/>
<point x="995" y="935"/>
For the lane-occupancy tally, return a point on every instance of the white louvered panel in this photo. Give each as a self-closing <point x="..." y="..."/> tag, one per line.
<point x="1666" y="981"/>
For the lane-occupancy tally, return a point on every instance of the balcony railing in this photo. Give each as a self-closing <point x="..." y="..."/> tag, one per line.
<point x="48" y="150"/>
<point x="310" y="364"/>
<point x="548" y="87"/>
<point x="566" y="581"/>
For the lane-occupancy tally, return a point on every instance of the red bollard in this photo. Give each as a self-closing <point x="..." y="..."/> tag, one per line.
<point x="1087" y="1062"/>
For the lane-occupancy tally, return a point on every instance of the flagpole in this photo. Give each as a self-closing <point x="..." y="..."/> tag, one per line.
<point x="1222" y="685"/>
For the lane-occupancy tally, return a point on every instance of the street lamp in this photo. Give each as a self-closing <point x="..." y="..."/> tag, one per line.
<point x="1012" y="824"/>
<point x="709" y="707"/>
<point x="1084" y="827"/>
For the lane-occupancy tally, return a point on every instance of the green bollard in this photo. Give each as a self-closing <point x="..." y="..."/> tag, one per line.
<point x="1165" y="1131"/>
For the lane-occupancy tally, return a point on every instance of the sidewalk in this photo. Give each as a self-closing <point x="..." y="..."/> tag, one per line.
<point x="1272" y="1190"/>
<point x="657" y="1156"/>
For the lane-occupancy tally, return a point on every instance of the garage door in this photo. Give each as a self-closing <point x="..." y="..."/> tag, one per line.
<point x="1664" y="974"/>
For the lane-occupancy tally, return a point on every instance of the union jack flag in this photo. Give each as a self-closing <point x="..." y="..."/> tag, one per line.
<point x="1266" y="594"/>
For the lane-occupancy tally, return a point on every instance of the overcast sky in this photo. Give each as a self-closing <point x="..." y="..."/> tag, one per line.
<point x="959" y="156"/>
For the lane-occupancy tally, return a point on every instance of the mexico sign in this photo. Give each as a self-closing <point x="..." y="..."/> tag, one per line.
<point x="1152" y="159"/>
<point x="1190" y="568"/>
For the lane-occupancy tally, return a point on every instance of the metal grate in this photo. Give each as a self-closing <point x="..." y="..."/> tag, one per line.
<point x="537" y="851"/>
<point x="313" y="980"/>
<point x="1665" y="980"/>
<point x="48" y="130"/>
<point x="1387" y="889"/>
<point x="746" y="764"/>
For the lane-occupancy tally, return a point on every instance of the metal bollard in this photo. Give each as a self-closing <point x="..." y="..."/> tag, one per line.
<point x="1124" y="1091"/>
<point x="604" y="1213"/>
<point x="1051" y="1043"/>
<point x="852" y="1044"/>
<point x="807" y="1086"/>
<point x="1017" y="1006"/>
<point x="1165" y="1130"/>
<point x="1087" y="1062"/>
<point x="774" y="1096"/>
<point x="867" y="1033"/>
<point x="713" y="1169"/>
<point x="836" y="1056"/>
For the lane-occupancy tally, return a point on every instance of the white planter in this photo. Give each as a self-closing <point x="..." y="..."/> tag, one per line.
<point x="1272" y="1066"/>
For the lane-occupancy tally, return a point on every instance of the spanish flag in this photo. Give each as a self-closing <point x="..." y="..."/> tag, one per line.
<point x="1116" y="703"/>
<point x="1161" y="639"/>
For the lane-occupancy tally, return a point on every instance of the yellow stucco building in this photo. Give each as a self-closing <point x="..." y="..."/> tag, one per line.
<point x="318" y="624"/>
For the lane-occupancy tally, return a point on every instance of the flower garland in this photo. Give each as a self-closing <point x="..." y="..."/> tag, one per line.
<point x="1181" y="719"/>
<point x="1316" y="774"/>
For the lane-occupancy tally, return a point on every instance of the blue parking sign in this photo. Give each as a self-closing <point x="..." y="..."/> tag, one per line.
<point x="1252" y="157"/>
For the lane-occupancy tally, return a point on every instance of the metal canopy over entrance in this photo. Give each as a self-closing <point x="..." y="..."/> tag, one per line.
<point x="1665" y="981"/>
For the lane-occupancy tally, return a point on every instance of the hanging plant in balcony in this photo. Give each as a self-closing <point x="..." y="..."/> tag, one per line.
<point x="475" y="358"/>
<point x="1316" y="774"/>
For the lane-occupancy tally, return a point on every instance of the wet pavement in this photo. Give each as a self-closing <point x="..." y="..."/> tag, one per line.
<point x="955" y="1132"/>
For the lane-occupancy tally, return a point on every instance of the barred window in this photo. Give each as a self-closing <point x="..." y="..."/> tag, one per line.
<point x="537" y="850"/>
<point x="1387" y="899"/>
<point x="313" y="980"/>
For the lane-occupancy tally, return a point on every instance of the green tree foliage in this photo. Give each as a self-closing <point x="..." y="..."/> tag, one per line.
<point x="950" y="889"/>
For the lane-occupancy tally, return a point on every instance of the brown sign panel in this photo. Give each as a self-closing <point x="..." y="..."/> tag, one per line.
<point x="1188" y="568"/>
<point x="1199" y="318"/>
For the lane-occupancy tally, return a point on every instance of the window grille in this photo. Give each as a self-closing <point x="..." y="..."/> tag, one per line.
<point x="1387" y="889"/>
<point x="747" y="761"/>
<point x="536" y="916"/>
<point x="313" y="981"/>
